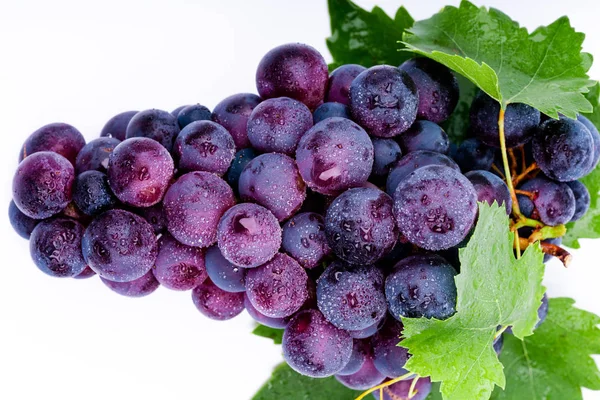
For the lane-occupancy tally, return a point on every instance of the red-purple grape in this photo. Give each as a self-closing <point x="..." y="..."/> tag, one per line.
<point x="85" y="274"/>
<point x="94" y="155"/>
<point x="215" y="303"/>
<point x="389" y="358"/>
<point x="155" y="216"/>
<point x="304" y="239"/>
<point x="177" y="266"/>
<point x="424" y="135"/>
<point x="400" y="390"/>
<point x="554" y="201"/>
<point x="59" y="138"/>
<point x="490" y="188"/>
<point x="21" y="223"/>
<point x="361" y="349"/>
<point x="365" y="378"/>
<point x="276" y="323"/>
<point x="116" y="127"/>
<point x="222" y="273"/>
<point x="233" y="114"/>
<point x="341" y="78"/>
<point x="157" y="125"/>
<point x="140" y="287"/>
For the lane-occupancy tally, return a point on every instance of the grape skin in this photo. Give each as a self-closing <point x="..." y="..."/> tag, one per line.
<point x="314" y="347"/>
<point x="233" y="114"/>
<point x="155" y="217"/>
<point x="222" y="273"/>
<point x="368" y="331"/>
<point x="55" y="247"/>
<point x="329" y="110"/>
<point x="361" y="349"/>
<point x="139" y="287"/>
<point x="388" y="357"/>
<point x="400" y="390"/>
<point x="240" y="160"/>
<point x="42" y="185"/>
<point x="193" y="113"/>
<point x="595" y="139"/>
<point x="334" y="155"/>
<point x="273" y="181"/>
<point x="85" y="274"/>
<point x="276" y="323"/>
<point x="303" y="238"/>
<point x="21" y="223"/>
<point x="386" y="153"/>
<point x="473" y="155"/>
<point x="94" y="155"/>
<point x="154" y="124"/>
<point x="215" y="303"/>
<point x="365" y="378"/>
<point x="424" y="135"/>
<point x="193" y="206"/>
<point x="384" y="100"/>
<point x="582" y="199"/>
<point x="554" y="201"/>
<point x="338" y="89"/>
<point x="116" y="127"/>
<point x="177" y="266"/>
<point x="490" y="188"/>
<point x="59" y="138"/>
<point x="92" y="194"/>
<point x="435" y="207"/>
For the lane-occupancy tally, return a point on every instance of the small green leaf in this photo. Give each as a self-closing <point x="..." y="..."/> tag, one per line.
<point x="287" y="384"/>
<point x="457" y="126"/>
<point x="556" y="362"/>
<point x="494" y="289"/>
<point x="588" y="226"/>
<point x="435" y="393"/>
<point x="366" y="38"/>
<point x="545" y="69"/>
<point x="269" y="333"/>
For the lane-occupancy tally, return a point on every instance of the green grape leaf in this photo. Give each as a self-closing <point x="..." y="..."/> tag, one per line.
<point x="285" y="383"/>
<point x="435" y="393"/>
<point x="545" y="69"/>
<point x="269" y="333"/>
<point x="588" y="226"/>
<point x="556" y="362"/>
<point x="457" y="125"/>
<point x="494" y="289"/>
<point x="366" y="38"/>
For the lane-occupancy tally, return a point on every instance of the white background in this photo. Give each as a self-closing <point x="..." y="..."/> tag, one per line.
<point x="82" y="62"/>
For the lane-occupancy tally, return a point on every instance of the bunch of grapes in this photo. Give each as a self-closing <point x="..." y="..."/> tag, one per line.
<point x="329" y="205"/>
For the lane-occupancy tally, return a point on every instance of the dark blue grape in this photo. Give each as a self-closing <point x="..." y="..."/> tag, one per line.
<point x="233" y="114"/>
<point x="563" y="149"/>
<point x="94" y="155"/>
<point x="595" y="139"/>
<point x="437" y="87"/>
<point x="389" y="358"/>
<point x="421" y="286"/>
<point x="361" y="349"/>
<point x="520" y="122"/>
<point x="140" y="287"/>
<point x="116" y="127"/>
<point x="413" y="161"/>
<point x="58" y="138"/>
<point x="338" y="89"/>
<point x="155" y="216"/>
<point x="384" y="100"/>
<point x="304" y="239"/>
<point x="314" y="347"/>
<point x="368" y="331"/>
<point x="351" y="297"/>
<point x="365" y="378"/>
<point x="498" y="345"/>
<point x="334" y="155"/>
<point x="119" y="246"/>
<point x="222" y="273"/>
<point x="328" y="110"/>
<point x="193" y="113"/>
<point x="424" y="135"/>
<point x="276" y="323"/>
<point x="490" y="188"/>
<point x="55" y="247"/>
<point x="526" y="206"/>
<point x="154" y="124"/>
<point x="42" y="185"/>
<point x="473" y="155"/>
<point x="177" y="266"/>
<point x="554" y="201"/>
<point x="360" y="226"/>
<point x="176" y="111"/>
<point x="240" y="160"/>
<point x="21" y="223"/>
<point x="92" y="194"/>
<point x="215" y="303"/>
<point x="582" y="199"/>
<point x="401" y="390"/>
<point x="542" y="310"/>
<point x="386" y="154"/>
<point x="293" y="70"/>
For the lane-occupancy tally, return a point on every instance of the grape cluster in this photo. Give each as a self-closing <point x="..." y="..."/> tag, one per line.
<point x="329" y="205"/>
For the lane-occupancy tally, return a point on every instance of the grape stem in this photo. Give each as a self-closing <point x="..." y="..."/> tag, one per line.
<point x="548" y="232"/>
<point x="553" y="250"/>
<point x="384" y="385"/>
<point x="500" y="332"/>
<point x="412" y="392"/>
<point x="532" y="168"/>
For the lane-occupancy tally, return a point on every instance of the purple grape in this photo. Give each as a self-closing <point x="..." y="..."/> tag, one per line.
<point x="421" y="286"/>
<point x="222" y="273"/>
<point x="176" y="111"/>
<point x="215" y="303"/>
<point x="85" y="274"/>
<point x="473" y="155"/>
<point x="400" y="390"/>
<point x="55" y="247"/>
<point x="526" y="206"/>
<point x="365" y="378"/>
<point x="368" y="331"/>
<point x="490" y="188"/>
<point x="304" y="239"/>
<point x="542" y="310"/>
<point x="276" y="125"/>
<point x="193" y="206"/>
<point x="554" y="201"/>
<point x="435" y="207"/>
<point x="563" y="149"/>
<point x="351" y="297"/>
<point x="42" y="185"/>
<point x="155" y="217"/>
<point x="204" y="146"/>
<point x="360" y="226"/>
<point x="520" y="121"/>
<point x="140" y="287"/>
<point x="273" y="181"/>
<point x="248" y="235"/>
<point x="94" y="155"/>
<point x="388" y="357"/>
<point x="329" y="110"/>
<point x="277" y="288"/>
<point x="338" y="89"/>
<point x="582" y="199"/>
<point x="116" y="127"/>
<point x="119" y="246"/>
<point x="58" y="138"/>
<point x="233" y="114"/>
<point x="21" y="223"/>
<point x="193" y="113"/>
<point x="361" y="349"/>
<point x="92" y="194"/>
<point x="413" y="161"/>
<point x="437" y="87"/>
<point x="240" y="160"/>
<point x="314" y="347"/>
<point x="424" y="135"/>
<point x="384" y="100"/>
<point x="153" y="124"/>
<point x="334" y="155"/>
<point x="140" y="171"/>
<point x="293" y="70"/>
<point x="386" y="154"/>
<point x="595" y="139"/>
<point x="177" y="266"/>
<point x="276" y="323"/>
